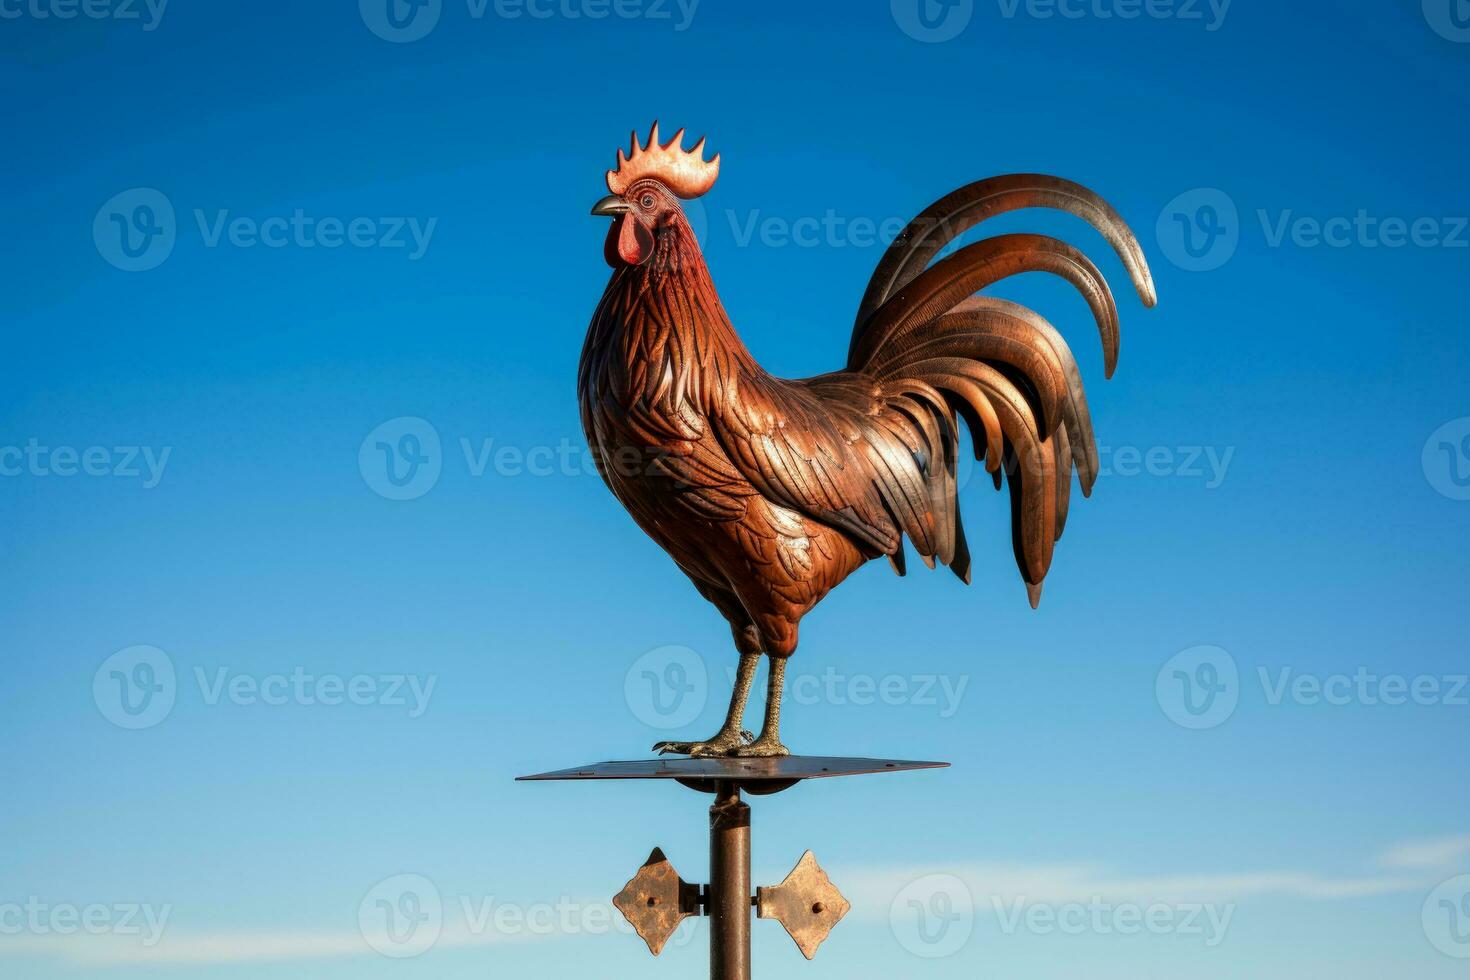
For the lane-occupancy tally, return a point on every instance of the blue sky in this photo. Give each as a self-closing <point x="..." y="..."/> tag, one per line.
<point x="265" y="699"/>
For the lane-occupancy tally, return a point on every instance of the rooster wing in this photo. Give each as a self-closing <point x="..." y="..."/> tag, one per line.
<point x="845" y="450"/>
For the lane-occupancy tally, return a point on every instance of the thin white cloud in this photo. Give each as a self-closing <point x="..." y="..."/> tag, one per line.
<point x="1064" y="884"/>
<point x="1410" y="866"/>
<point x="217" y="948"/>
<point x="1434" y="854"/>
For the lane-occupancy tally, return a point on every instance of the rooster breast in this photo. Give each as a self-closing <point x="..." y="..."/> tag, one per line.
<point x="674" y="438"/>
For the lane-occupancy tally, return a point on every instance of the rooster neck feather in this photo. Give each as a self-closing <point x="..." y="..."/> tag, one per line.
<point x="660" y="335"/>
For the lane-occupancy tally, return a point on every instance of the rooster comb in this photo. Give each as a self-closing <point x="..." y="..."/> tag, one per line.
<point x="685" y="172"/>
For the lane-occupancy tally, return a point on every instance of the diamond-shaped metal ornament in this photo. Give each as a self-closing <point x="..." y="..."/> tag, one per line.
<point x="656" y="900"/>
<point x="807" y="904"/>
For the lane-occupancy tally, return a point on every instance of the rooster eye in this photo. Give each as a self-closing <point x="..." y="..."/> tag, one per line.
<point x="647" y="201"/>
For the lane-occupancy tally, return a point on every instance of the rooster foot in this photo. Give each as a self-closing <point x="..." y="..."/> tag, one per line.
<point x="761" y="748"/>
<point x="723" y="744"/>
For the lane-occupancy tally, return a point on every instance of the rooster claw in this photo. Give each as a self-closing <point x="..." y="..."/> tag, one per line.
<point x="720" y="745"/>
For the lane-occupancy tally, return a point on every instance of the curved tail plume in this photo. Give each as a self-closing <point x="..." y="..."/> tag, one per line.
<point x="959" y="211"/>
<point x="999" y="365"/>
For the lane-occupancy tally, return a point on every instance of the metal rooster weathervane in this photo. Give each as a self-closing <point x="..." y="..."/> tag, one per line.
<point x="769" y="492"/>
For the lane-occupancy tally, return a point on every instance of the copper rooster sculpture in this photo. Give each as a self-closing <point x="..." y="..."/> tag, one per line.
<point x="767" y="492"/>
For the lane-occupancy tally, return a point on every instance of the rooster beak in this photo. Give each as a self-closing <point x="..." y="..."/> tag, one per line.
<point x="610" y="206"/>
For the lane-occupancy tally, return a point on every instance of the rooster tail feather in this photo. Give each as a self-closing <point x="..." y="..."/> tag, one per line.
<point x="950" y="281"/>
<point x="924" y="334"/>
<point x="959" y="211"/>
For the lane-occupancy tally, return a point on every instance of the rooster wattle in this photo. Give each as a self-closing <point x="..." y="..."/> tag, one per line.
<point x="769" y="492"/>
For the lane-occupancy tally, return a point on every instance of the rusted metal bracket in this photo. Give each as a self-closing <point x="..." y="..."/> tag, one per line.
<point x="656" y="900"/>
<point x="807" y="904"/>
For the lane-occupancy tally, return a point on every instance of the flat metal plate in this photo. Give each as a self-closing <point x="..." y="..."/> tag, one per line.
<point x="785" y="769"/>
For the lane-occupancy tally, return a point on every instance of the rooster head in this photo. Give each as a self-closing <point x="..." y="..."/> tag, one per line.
<point x="646" y="187"/>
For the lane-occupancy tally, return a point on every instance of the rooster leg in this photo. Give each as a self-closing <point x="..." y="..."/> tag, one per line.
<point x="729" y="738"/>
<point x="769" y="741"/>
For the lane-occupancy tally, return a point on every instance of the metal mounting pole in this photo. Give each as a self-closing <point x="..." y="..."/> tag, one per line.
<point x="728" y="902"/>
